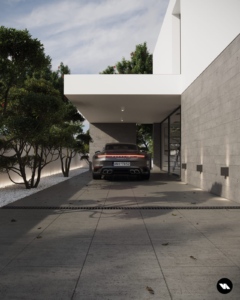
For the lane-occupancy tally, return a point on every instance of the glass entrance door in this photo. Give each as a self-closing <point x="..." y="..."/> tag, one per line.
<point x="171" y="143"/>
<point x="175" y="142"/>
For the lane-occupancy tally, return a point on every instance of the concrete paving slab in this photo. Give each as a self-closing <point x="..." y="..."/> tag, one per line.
<point x="232" y="253"/>
<point x="80" y="215"/>
<point x="8" y="253"/>
<point x="227" y="242"/>
<point x="56" y="234"/>
<point x="232" y="214"/>
<point x="199" y="215"/>
<point x="37" y="215"/>
<point x="121" y="202"/>
<point x="181" y="256"/>
<point x="63" y="242"/>
<point x="50" y="257"/>
<point x="122" y="237"/>
<point x="128" y="270"/>
<point x="38" y="283"/>
<point x="117" y="253"/>
<point x="200" y="282"/>
<point x="120" y="216"/>
<point x="16" y="241"/>
<point x="118" y="290"/>
<point x="74" y="224"/>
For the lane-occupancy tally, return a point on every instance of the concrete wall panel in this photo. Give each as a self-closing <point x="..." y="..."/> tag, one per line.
<point x="103" y="133"/>
<point x="210" y="125"/>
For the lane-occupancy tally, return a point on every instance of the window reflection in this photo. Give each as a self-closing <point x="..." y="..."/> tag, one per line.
<point x="175" y="142"/>
<point x="171" y="143"/>
<point x="165" y="146"/>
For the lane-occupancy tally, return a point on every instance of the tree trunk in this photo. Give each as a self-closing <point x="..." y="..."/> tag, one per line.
<point x="5" y="102"/>
<point x="39" y="169"/>
<point x="34" y="166"/>
<point x="65" y="173"/>
<point x="68" y="165"/>
<point x="22" y="171"/>
<point x="62" y="164"/>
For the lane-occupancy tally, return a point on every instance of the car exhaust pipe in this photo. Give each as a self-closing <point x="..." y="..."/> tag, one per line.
<point x="132" y="171"/>
<point x="137" y="171"/>
<point x="105" y="171"/>
<point x="110" y="171"/>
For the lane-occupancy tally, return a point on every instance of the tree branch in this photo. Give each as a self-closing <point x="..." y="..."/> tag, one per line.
<point x="12" y="180"/>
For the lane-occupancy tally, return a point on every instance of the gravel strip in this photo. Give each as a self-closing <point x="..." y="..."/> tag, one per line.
<point x="14" y="192"/>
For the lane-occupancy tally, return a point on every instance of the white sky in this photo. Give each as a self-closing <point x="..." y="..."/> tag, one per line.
<point x="87" y="35"/>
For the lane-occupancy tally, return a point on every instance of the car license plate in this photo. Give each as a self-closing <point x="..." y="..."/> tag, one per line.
<point x="121" y="164"/>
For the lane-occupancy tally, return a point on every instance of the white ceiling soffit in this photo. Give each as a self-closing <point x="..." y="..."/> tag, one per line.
<point x="145" y="98"/>
<point x="137" y="108"/>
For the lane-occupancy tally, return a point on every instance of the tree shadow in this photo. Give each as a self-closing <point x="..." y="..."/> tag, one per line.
<point x="121" y="251"/>
<point x="216" y="189"/>
<point x="105" y="240"/>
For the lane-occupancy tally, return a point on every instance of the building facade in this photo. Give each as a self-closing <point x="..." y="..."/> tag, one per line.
<point x="192" y="99"/>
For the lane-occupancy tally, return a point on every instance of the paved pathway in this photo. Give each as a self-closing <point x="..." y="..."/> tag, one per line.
<point x="114" y="254"/>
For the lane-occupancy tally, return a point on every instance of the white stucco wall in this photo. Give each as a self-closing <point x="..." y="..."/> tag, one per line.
<point x="162" y="55"/>
<point x="207" y="28"/>
<point x="121" y="84"/>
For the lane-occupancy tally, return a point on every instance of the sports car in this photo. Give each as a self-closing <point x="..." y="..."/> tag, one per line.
<point x="120" y="158"/>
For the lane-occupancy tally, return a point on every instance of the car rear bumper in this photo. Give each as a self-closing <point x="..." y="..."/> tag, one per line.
<point x="121" y="170"/>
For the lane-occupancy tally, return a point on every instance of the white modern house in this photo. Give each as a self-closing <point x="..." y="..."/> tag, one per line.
<point x="192" y="99"/>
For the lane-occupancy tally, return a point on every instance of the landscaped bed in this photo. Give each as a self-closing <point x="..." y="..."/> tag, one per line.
<point x="13" y="192"/>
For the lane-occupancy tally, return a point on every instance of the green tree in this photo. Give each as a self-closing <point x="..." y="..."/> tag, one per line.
<point x="28" y="122"/>
<point x="71" y="139"/>
<point x="19" y="55"/>
<point x="144" y="133"/>
<point x="139" y="63"/>
<point x="85" y="149"/>
<point x="55" y="77"/>
<point x="70" y="136"/>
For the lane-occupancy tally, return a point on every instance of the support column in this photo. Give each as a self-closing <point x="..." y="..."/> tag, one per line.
<point x="156" y="147"/>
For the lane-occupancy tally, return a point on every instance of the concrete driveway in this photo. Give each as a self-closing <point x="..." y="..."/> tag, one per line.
<point x="52" y="252"/>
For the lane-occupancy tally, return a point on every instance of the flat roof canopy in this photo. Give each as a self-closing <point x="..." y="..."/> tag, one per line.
<point x="145" y="98"/>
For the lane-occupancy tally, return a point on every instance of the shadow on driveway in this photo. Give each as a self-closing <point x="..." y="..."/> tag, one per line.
<point x="115" y="254"/>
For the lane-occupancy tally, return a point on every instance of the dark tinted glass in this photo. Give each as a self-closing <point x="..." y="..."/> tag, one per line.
<point x="120" y="147"/>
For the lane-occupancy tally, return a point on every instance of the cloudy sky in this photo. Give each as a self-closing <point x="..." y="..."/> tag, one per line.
<point x="87" y="35"/>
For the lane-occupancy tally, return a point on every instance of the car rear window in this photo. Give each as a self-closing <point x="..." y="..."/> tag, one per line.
<point x="121" y="146"/>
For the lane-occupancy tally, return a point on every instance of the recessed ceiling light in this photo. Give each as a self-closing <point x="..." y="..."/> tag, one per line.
<point x="122" y="108"/>
<point x="121" y="120"/>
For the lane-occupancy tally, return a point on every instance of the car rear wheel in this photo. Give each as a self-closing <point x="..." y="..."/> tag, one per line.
<point x="146" y="176"/>
<point x="96" y="176"/>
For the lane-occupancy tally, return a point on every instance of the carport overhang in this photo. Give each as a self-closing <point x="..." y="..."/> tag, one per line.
<point x="145" y="98"/>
